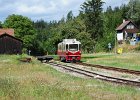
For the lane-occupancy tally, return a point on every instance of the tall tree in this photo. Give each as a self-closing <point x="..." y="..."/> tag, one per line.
<point x="92" y="10"/>
<point x="69" y="16"/>
<point x="42" y="37"/>
<point x="124" y="11"/>
<point x="134" y="11"/>
<point x="23" y="28"/>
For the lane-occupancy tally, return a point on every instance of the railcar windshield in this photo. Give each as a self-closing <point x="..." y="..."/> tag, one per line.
<point x="73" y="47"/>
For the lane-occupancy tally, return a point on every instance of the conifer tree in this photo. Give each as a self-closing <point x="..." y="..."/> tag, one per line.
<point x="92" y="10"/>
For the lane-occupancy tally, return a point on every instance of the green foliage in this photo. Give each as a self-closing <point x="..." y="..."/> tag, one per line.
<point x="69" y="16"/>
<point x="23" y="28"/>
<point x="45" y="38"/>
<point x="92" y="27"/>
<point x="86" y="41"/>
<point x="92" y="10"/>
<point x="136" y="10"/>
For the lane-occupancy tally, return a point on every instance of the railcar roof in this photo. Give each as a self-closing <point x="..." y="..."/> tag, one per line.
<point x="70" y="41"/>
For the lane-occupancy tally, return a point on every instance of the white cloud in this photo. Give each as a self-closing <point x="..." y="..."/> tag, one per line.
<point x="37" y="9"/>
<point x="65" y="2"/>
<point x="33" y="9"/>
<point x="45" y="9"/>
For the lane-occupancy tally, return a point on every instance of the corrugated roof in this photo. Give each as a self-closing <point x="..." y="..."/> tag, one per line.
<point x="8" y="31"/>
<point x="123" y="25"/>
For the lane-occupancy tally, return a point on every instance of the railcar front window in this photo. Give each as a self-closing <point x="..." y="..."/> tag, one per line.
<point x="73" y="47"/>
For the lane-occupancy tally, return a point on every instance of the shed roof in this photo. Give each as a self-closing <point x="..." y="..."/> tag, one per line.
<point x="9" y="31"/>
<point x="5" y="34"/>
<point x="123" y="25"/>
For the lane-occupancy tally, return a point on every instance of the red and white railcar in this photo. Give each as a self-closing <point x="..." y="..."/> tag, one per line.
<point x="69" y="50"/>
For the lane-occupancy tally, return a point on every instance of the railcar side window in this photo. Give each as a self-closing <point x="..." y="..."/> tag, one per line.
<point x="67" y="47"/>
<point x="73" y="47"/>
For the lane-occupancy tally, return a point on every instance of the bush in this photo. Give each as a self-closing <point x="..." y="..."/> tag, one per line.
<point x="99" y="48"/>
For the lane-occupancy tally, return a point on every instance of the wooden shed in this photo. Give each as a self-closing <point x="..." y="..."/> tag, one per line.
<point x="10" y="45"/>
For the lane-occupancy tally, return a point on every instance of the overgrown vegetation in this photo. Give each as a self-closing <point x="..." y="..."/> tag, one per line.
<point x="23" y="28"/>
<point x="20" y="80"/>
<point x="125" y="60"/>
<point x="94" y="27"/>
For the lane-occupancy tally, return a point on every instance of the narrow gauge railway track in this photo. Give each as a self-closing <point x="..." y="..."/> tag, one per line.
<point x="96" y="75"/>
<point x="111" y="68"/>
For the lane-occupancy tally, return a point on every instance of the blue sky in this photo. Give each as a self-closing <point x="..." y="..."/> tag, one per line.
<point x="46" y="9"/>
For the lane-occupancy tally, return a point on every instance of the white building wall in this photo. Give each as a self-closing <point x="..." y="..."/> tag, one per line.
<point x="119" y="36"/>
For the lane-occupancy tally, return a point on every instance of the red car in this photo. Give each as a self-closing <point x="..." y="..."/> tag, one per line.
<point x="69" y="50"/>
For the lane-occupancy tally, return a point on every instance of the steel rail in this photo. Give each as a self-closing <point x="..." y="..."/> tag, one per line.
<point x="111" y="68"/>
<point x="92" y="74"/>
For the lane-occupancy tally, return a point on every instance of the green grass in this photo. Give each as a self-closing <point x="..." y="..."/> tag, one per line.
<point x="126" y="60"/>
<point x="37" y="81"/>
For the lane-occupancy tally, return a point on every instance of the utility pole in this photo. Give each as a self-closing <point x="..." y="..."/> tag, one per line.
<point x="115" y="43"/>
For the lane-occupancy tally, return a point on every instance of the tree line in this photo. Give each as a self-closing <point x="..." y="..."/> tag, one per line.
<point x="93" y="27"/>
